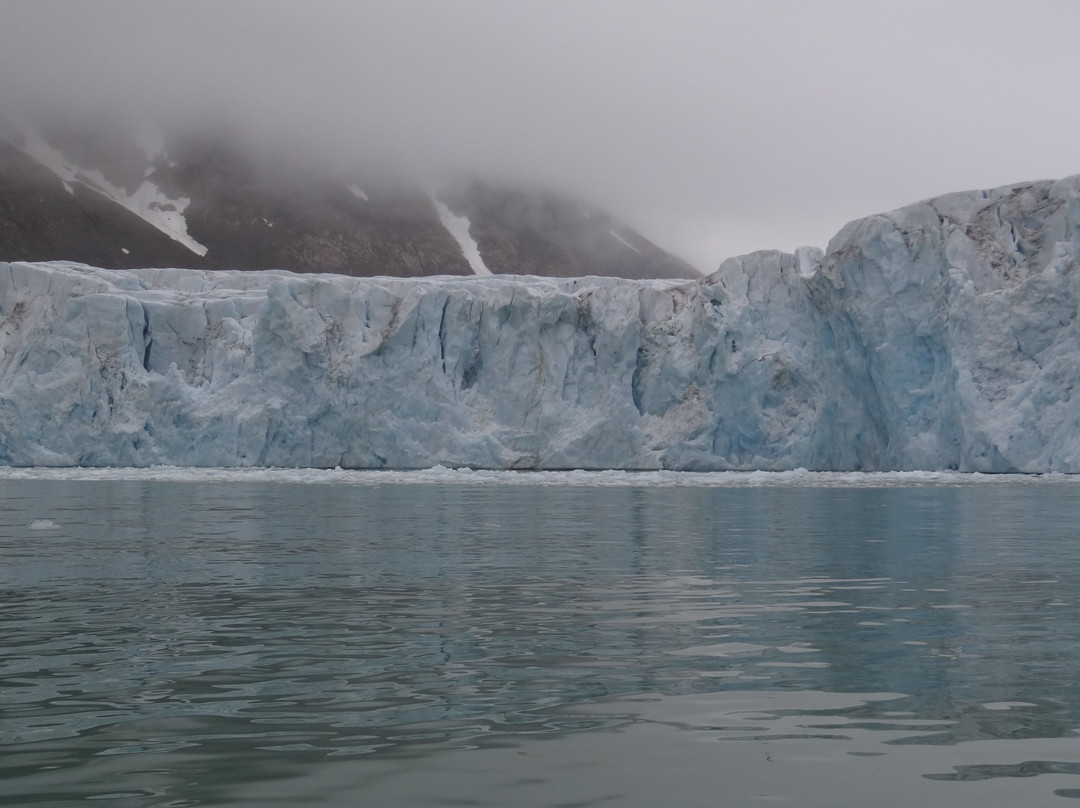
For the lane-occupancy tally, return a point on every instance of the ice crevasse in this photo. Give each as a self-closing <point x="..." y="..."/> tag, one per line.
<point x="940" y="336"/>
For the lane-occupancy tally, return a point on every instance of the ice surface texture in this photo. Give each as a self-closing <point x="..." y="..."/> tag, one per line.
<point x="940" y="336"/>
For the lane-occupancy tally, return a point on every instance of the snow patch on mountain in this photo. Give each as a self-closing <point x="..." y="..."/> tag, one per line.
<point x="621" y="240"/>
<point x="458" y="227"/>
<point x="147" y="201"/>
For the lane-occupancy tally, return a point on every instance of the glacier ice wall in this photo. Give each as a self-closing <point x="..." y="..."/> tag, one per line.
<point x="939" y="336"/>
<point x="959" y="317"/>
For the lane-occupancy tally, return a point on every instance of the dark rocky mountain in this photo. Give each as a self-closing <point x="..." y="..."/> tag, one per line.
<point x="109" y="200"/>
<point x="546" y="233"/>
<point x="40" y="220"/>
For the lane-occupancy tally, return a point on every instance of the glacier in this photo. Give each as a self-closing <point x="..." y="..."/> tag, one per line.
<point x="941" y="336"/>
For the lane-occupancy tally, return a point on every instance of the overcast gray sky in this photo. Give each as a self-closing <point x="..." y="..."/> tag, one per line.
<point x="716" y="127"/>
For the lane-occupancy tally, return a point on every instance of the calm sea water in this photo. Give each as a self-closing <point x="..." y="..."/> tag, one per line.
<point x="250" y="642"/>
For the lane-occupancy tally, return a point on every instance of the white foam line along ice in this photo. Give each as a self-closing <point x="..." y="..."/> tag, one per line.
<point x="578" y="478"/>
<point x="458" y="227"/>
<point x="147" y="202"/>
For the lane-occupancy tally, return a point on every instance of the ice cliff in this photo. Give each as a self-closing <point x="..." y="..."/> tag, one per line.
<point x="939" y="336"/>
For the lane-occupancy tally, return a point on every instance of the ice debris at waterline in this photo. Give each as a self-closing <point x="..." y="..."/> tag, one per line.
<point x="940" y="336"/>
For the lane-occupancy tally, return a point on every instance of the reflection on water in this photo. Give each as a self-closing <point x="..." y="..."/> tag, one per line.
<point x="182" y="643"/>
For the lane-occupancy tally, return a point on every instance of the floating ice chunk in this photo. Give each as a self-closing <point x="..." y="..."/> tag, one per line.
<point x="43" y="524"/>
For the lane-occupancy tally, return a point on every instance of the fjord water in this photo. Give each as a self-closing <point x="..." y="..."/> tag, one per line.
<point x="267" y="641"/>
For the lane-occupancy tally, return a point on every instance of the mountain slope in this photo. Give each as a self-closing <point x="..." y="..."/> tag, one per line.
<point x="41" y="219"/>
<point x="545" y="233"/>
<point x="207" y="202"/>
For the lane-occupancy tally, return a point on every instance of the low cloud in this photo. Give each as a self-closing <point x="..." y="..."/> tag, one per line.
<point x="715" y="127"/>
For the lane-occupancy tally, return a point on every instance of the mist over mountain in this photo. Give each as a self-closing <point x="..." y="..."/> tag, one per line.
<point x="112" y="196"/>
